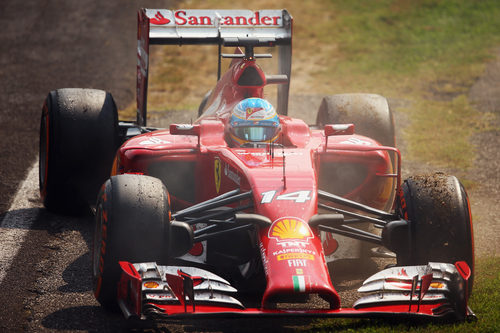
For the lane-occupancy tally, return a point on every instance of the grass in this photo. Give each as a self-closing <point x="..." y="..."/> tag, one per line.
<point x="484" y="303"/>
<point x="434" y="116"/>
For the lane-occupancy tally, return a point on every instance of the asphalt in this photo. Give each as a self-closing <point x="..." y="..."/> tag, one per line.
<point x="54" y="44"/>
<point x="47" y="45"/>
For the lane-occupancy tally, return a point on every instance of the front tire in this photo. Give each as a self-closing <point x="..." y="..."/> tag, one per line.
<point x="438" y="211"/>
<point x="132" y="224"/>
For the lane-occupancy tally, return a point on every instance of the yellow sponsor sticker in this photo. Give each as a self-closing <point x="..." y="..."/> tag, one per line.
<point x="288" y="256"/>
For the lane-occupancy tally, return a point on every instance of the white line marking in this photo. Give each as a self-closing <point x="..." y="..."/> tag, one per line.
<point x="19" y="219"/>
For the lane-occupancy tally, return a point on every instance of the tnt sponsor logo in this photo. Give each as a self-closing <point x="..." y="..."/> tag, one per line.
<point x="288" y="244"/>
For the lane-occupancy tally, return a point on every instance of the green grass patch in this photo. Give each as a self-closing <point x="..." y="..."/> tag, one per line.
<point x="484" y="303"/>
<point x="404" y="38"/>
<point x="440" y="131"/>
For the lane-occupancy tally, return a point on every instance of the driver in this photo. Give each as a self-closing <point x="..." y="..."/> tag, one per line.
<point x="254" y="121"/>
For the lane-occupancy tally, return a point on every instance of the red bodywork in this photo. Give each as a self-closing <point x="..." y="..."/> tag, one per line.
<point x="284" y="186"/>
<point x="196" y="163"/>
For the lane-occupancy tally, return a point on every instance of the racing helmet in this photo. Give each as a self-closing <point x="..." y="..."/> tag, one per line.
<point x="254" y="120"/>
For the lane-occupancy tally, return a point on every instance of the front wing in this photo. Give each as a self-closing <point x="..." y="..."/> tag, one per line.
<point x="433" y="291"/>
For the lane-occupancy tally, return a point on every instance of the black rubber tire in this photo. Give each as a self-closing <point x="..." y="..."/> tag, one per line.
<point x="78" y="141"/>
<point x="438" y="209"/>
<point x="132" y="224"/>
<point x="370" y="114"/>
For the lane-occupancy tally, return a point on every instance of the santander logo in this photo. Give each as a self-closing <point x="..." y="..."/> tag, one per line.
<point x="159" y="19"/>
<point x="208" y="18"/>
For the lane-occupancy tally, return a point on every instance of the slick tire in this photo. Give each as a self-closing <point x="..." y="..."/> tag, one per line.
<point x="132" y="224"/>
<point x="438" y="210"/>
<point x="370" y="114"/>
<point x="372" y="117"/>
<point x="78" y="141"/>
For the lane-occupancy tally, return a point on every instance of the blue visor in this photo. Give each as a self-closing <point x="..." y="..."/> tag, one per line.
<point x="255" y="133"/>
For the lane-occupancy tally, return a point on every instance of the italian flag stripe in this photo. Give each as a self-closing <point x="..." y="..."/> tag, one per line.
<point x="299" y="283"/>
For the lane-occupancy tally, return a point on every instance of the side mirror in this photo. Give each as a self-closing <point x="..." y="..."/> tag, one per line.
<point x="339" y="129"/>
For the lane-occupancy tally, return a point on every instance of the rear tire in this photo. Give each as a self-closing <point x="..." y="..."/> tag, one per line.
<point x="132" y="224"/>
<point x="370" y="114"/>
<point x="438" y="209"/>
<point x="372" y="117"/>
<point x="78" y="141"/>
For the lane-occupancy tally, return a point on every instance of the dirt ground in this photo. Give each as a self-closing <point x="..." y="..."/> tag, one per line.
<point x="485" y="93"/>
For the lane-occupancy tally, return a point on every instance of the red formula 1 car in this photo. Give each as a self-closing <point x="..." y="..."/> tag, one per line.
<point x="239" y="213"/>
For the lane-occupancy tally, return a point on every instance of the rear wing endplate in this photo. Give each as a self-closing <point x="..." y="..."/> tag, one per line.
<point x="212" y="27"/>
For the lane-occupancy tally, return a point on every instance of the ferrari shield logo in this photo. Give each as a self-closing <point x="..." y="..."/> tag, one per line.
<point x="217" y="173"/>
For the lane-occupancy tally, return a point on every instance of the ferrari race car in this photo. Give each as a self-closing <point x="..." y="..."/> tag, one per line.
<point x="241" y="212"/>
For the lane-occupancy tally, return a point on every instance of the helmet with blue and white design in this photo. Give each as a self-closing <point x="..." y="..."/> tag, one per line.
<point x="254" y="120"/>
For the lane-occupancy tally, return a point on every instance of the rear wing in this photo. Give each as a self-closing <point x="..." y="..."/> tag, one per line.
<point x="212" y="27"/>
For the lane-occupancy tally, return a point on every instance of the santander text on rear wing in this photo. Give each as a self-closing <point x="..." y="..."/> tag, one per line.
<point x="212" y="27"/>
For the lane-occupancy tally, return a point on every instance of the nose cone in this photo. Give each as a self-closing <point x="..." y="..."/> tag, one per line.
<point x="294" y="263"/>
